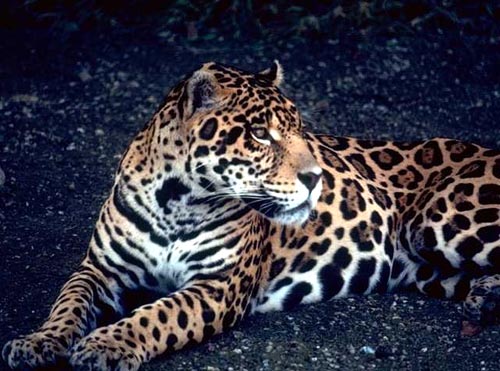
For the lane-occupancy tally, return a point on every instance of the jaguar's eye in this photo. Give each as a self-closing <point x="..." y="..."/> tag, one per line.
<point x="261" y="135"/>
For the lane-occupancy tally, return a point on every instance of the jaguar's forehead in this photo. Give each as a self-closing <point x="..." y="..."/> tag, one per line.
<point x="233" y="97"/>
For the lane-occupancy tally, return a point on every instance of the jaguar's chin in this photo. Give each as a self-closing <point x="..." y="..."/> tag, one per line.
<point x="296" y="215"/>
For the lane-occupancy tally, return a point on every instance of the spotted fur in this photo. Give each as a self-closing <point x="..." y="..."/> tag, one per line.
<point x="223" y="205"/>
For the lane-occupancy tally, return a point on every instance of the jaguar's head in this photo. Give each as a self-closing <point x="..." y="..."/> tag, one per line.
<point x="245" y="139"/>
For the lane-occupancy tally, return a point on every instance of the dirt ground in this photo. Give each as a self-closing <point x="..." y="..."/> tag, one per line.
<point x="67" y="113"/>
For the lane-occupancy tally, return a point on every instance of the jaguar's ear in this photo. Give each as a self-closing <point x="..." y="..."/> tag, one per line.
<point x="200" y="92"/>
<point x="274" y="74"/>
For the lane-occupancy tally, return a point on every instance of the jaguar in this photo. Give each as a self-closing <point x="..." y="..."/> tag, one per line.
<point x="223" y="205"/>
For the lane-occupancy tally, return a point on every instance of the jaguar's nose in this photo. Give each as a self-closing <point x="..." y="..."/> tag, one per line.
<point x="309" y="179"/>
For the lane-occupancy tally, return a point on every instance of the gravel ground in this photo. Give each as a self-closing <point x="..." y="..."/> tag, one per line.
<point x="67" y="113"/>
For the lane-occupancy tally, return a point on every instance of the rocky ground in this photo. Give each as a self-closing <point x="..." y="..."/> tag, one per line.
<point x="66" y="114"/>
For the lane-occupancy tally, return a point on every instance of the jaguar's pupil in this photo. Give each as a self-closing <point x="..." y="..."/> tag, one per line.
<point x="260" y="133"/>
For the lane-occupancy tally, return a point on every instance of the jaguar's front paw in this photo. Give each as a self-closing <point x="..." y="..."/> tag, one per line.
<point x="101" y="351"/>
<point x="35" y="350"/>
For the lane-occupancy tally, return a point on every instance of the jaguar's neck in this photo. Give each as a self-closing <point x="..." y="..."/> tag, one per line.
<point x="155" y="186"/>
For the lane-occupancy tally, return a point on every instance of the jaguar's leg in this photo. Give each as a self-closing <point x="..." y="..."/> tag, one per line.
<point x="446" y="283"/>
<point x="482" y="304"/>
<point x="190" y="315"/>
<point x="74" y="314"/>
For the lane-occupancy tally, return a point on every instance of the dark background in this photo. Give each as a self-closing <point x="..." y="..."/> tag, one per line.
<point x="79" y="78"/>
<point x="207" y="20"/>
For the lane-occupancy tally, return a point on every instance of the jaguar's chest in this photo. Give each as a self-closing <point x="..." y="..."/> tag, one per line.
<point x="195" y="253"/>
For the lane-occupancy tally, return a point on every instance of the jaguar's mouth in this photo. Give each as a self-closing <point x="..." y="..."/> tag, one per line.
<point x="277" y="212"/>
<point x="306" y="205"/>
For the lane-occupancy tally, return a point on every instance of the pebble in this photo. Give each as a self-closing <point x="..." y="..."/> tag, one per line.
<point x="2" y="178"/>
<point x="366" y="349"/>
<point x="84" y="75"/>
